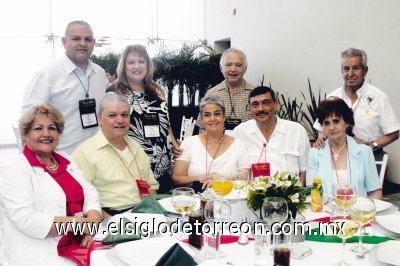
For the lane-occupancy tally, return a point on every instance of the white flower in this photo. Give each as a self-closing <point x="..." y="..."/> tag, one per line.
<point x="295" y="197"/>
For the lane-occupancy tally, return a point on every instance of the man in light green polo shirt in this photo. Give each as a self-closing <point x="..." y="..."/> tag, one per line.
<point x="112" y="162"/>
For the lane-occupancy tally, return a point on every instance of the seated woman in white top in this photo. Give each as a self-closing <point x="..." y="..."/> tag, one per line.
<point x="210" y="152"/>
<point x="342" y="160"/>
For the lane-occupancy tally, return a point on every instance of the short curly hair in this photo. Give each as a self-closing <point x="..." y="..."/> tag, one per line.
<point x="335" y="106"/>
<point x="27" y="119"/>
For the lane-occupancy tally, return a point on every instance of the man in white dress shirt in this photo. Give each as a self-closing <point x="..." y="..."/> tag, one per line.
<point x="73" y="84"/>
<point x="376" y="124"/>
<point x="282" y="144"/>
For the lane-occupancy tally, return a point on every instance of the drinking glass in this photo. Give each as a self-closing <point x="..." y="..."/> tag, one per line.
<point x="240" y="179"/>
<point x="282" y="249"/>
<point x="344" y="195"/>
<point x="274" y="210"/>
<point x="183" y="200"/>
<point x="216" y="210"/>
<point x="344" y="227"/>
<point x="362" y="212"/>
<point x="222" y="185"/>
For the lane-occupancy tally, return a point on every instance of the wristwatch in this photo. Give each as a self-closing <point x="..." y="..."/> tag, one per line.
<point x="375" y="145"/>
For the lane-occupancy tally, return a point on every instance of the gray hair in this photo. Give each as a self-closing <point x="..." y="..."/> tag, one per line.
<point x="76" y="22"/>
<point x="233" y="50"/>
<point x="211" y="99"/>
<point x="111" y="97"/>
<point x="352" y="52"/>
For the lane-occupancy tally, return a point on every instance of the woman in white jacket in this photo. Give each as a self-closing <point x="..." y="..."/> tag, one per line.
<point x="41" y="191"/>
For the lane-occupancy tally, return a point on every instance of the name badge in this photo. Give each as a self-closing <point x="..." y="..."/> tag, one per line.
<point x="87" y="110"/>
<point x="151" y="124"/>
<point x="231" y="123"/>
<point x="260" y="169"/>
<point x="143" y="187"/>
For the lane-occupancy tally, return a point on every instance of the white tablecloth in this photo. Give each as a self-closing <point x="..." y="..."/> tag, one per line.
<point x="322" y="253"/>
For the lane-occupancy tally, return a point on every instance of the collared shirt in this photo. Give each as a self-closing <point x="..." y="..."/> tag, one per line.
<point x="373" y="113"/>
<point x="286" y="150"/>
<point x="56" y="84"/>
<point x="239" y="100"/>
<point x="108" y="172"/>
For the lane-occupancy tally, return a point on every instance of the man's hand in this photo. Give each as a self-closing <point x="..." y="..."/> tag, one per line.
<point x="361" y="141"/>
<point x="320" y="142"/>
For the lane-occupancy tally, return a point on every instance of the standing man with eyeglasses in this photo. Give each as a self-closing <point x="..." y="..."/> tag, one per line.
<point x="73" y="84"/>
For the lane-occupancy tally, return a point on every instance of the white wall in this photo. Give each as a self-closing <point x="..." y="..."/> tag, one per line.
<point x="292" y="40"/>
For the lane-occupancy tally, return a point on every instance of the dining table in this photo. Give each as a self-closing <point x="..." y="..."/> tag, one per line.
<point x="322" y="253"/>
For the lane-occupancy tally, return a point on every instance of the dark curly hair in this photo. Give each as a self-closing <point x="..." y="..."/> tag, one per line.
<point x="334" y="106"/>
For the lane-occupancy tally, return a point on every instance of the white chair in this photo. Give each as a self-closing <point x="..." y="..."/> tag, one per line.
<point x="187" y="127"/>
<point x="18" y="138"/>
<point x="383" y="165"/>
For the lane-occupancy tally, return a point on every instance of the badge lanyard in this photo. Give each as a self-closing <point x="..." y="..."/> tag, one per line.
<point x="232" y="104"/>
<point x="143" y="186"/>
<point x="264" y="149"/>
<point x="87" y="107"/>
<point x="134" y="157"/>
<point x="334" y="164"/>
<point x="83" y="86"/>
<point x="213" y="157"/>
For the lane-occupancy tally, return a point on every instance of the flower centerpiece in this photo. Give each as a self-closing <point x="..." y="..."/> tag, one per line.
<point x="282" y="185"/>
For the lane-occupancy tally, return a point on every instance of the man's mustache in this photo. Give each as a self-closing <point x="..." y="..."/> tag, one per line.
<point x="262" y="113"/>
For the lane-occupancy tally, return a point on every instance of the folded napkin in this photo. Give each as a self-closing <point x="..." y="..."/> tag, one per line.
<point x="125" y="233"/>
<point x="334" y="239"/>
<point x="176" y="256"/>
<point x="149" y="205"/>
<point x="69" y="246"/>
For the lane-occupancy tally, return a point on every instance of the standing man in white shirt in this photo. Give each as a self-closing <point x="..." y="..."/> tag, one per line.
<point x="73" y="84"/>
<point x="376" y="124"/>
<point x="273" y="143"/>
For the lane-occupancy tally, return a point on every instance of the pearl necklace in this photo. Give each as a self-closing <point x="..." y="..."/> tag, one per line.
<point x="336" y="155"/>
<point x="52" y="168"/>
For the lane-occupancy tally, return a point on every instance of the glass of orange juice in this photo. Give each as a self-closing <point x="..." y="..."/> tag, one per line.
<point x="222" y="185"/>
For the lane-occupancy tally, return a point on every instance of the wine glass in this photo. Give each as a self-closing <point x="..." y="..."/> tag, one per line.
<point x="222" y="185"/>
<point x="183" y="200"/>
<point x="344" y="227"/>
<point x="216" y="211"/>
<point x="344" y="195"/>
<point x="362" y="212"/>
<point x="274" y="210"/>
<point x="240" y="179"/>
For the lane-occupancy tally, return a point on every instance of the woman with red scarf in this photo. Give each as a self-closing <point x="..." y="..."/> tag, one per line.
<point x="42" y="191"/>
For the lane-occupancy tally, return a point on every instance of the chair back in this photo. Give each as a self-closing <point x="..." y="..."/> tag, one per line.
<point x="383" y="165"/>
<point x="187" y="127"/>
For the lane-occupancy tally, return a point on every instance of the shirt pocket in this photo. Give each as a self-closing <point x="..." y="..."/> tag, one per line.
<point x="291" y="161"/>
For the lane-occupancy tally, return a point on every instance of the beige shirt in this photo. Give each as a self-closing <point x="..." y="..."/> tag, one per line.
<point x="108" y="173"/>
<point x="237" y="105"/>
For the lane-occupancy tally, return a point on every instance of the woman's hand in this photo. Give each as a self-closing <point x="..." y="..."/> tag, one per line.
<point x="206" y="180"/>
<point x="87" y="239"/>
